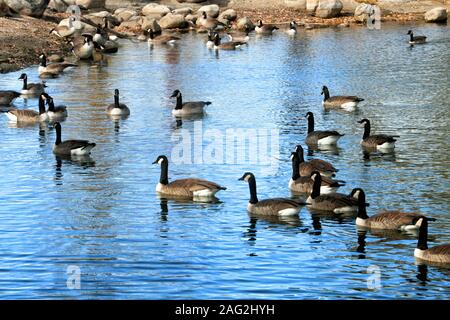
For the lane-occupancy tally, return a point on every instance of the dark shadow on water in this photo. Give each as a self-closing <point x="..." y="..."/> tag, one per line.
<point x="84" y="162"/>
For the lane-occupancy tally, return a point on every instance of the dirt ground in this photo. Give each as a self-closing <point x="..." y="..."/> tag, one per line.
<point x="23" y="39"/>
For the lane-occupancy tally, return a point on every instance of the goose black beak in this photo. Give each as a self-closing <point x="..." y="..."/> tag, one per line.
<point x="241" y="179"/>
<point x="155" y="162"/>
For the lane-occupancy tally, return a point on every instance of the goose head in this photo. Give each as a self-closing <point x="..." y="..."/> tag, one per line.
<point x="309" y="115"/>
<point x="204" y="15"/>
<point x="293" y="25"/>
<point x="364" y="122"/>
<point x="247" y="177"/>
<point x="160" y="160"/>
<point x="116" y="92"/>
<point x="409" y="32"/>
<point x="260" y="23"/>
<point x="23" y="76"/>
<point x="324" y="90"/>
<point x="176" y="93"/>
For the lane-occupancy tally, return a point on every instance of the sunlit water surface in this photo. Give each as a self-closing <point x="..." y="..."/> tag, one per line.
<point x="102" y="214"/>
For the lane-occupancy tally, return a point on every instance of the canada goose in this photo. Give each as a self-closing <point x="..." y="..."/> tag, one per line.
<point x="186" y="108"/>
<point x="100" y="36"/>
<point x="192" y="188"/>
<point x="275" y="206"/>
<point x="31" y="88"/>
<point x="30" y="116"/>
<point x="307" y="167"/>
<point x="231" y="45"/>
<point x="71" y="147"/>
<point x="335" y="202"/>
<point x="117" y="108"/>
<point x="304" y="184"/>
<point x="55" y="113"/>
<point x="416" y="39"/>
<point x="378" y="141"/>
<point x="439" y="254"/>
<point x="243" y="37"/>
<point x="8" y="96"/>
<point x="161" y="39"/>
<point x="320" y="137"/>
<point x="84" y="50"/>
<point x="211" y="37"/>
<point x="52" y="68"/>
<point x="65" y="31"/>
<point x="348" y="103"/>
<point x="266" y="29"/>
<point x="292" y="31"/>
<point x="208" y="22"/>
<point x="392" y="220"/>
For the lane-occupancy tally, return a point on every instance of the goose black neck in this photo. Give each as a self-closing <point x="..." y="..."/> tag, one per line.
<point x="164" y="179"/>
<point x="58" y="134"/>
<point x="301" y="157"/>
<point x="41" y="105"/>
<point x="252" y="187"/>
<point x="423" y="235"/>
<point x="151" y="34"/>
<point x="326" y="94"/>
<point x="43" y="62"/>
<point x="25" y="82"/>
<point x="116" y="100"/>
<point x="179" y="102"/>
<point x="316" y="187"/>
<point x="310" y="123"/>
<point x="51" y="105"/>
<point x="295" y="164"/>
<point x="411" y="37"/>
<point x="362" y="212"/>
<point x="366" y="130"/>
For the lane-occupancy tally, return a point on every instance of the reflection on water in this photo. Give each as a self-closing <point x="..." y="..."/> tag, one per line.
<point x="102" y="213"/>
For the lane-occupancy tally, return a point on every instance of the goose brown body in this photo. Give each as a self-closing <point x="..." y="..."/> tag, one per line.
<point x="320" y="137"/>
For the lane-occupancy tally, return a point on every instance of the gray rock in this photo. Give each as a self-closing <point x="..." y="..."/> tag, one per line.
<point x="153" y="9"/>
<point x="183" y="11"/>
<point x="33" y="8"/>
<point x="91" y="4"/>
<point x="191" y="1"/>
<point x="212" y="10"/>
<point x="173" y="21"/>
<point x="191" y="18"/>
<point x="244" y="22"/>
<point x="60" y="5"/>
<point x="133" y="23"/>
<point x="436" y="15"/>
<point x="311" y="5"/>
<point x="125" y="15"/>
<point x="229" y="14"/>
<point x="328" y="8"/>
<point x="362" y="12"/>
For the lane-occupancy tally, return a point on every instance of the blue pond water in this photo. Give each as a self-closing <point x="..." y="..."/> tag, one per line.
<point x="101" y="215"/>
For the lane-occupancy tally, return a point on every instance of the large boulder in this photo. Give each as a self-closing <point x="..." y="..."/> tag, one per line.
<point x="154" y="9"/>
<point x="98" y="17"/>
<point x="229" y="14"/>
<point x="362" y="12"/>
<point x="33" y="8"/>
<point x="436" y="15"/>
<point x="173" y="21"/>
<point x="212" y="10"/>
<point x="60" y="5"/>
<point x="311" y="5"/>
<point x="183" y="11"/>
<point x="90" y="4"/>
<point x="244" y="23"/>
<point x="124" y="14"/>
<point x="79" y="25"/>
<point x="328" y="8"/>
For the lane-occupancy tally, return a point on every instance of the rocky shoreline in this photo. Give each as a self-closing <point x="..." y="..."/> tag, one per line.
<point x="131" y="18"/>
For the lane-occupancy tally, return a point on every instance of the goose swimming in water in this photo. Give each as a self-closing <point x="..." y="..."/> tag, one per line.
<point x="324" y="137"/>
<point x="348" y="103"/>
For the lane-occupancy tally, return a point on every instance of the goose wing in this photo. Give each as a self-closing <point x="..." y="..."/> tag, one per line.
<point x="324" y="134"/>
<point x="343" y="99"/>
<point x="326" y="181"/>
<point x="336" y="200"/>
<point x="195" y="104"/>
<point x="378" y="139"/>
<point x="323" y="165"/>
<point x="269" y="206"/>
<point x="24" y="114"/>
<point x="7" y="96"/>
<point x="194" y="184"/>
<point x="441" y="250"/>
<point x="395" y="219"/>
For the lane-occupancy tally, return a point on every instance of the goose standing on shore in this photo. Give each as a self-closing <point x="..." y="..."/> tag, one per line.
<point x="187" y="108"/>
<point x="416" y="39"/>
<point x="274" y="206"/>
<point x="84" y="50"/>
<point x="304" y="184"/>
<point x="334" y="202"/>
<point x="327" y="137"/>
<point x="53" y="69"/>
<point x="265" y="29"/>
<point x="191" y="188"/>
<point x="65" y="31"/>
<point x="30" y="116"/>
<point x="117" y="108"/>
<point x="378" y="141"/>
<point x="436" y="254"/>
<point x="387" y="220"/>
<point x="31" y="89"/>
<point x="348" y="103"/>
<point x="71" y="147"/>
